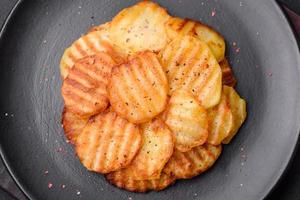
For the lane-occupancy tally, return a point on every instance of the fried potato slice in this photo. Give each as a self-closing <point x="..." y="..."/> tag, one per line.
<point x="177" y="26"/>
<point x="138" y="89"/>
<point x="227" y="74"/>
<point x="140" y="27"/>
<point x="187" y="119"/>
<point x="88" y="45"/>
<point x="84" y="89"/>
<point x="190" y="65"/>
<point x="238" y="107"/>
<point x="157" y="148"/>
<point x="220" y="120"/>
<point x="108" y="143"/>
<point x="72" y="124"/>
<point x="123" y="180"/>
<point x="103" y="27"/>
<point x="183" y="165"/>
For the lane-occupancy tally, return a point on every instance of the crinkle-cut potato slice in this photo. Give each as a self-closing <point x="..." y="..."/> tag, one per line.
<point x="156" y="150"/>
<point x="108" y="143"/>
<point x="140" y="27"/>
<point x="72" y="124"/>
<point x="177" y="27"/>
<point x="184" y="165"/>
<point x="138" y="89"/>
<point x="190" y="65"/>
<point x="84" y="89"/>
<point x="220" y="120"/>
<point x="125" y="181"/>
<point x="187" y="119"/>
<point x="238" y="108"/>
<point x="88" y="45"/>
<point x="227" y="74"/>
<point x="103" y="27"/>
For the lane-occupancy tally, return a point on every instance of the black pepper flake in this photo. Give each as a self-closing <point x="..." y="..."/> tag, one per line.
<point x="127" y="40"/>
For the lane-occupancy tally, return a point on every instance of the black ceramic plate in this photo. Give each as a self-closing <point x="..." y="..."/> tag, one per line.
<point x="32" y="140"/>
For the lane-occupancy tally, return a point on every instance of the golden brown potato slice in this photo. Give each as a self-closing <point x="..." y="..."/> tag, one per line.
<point x="138" y="89"/>
<point x="103" y="27"/>
<point x="124" y="180"/>
<point x="220" y="120"/>
<point x="140" y="27"/>
<point x="190" y="65"/>
<point x="72" y="124"/>
<point x="88" y="45"/>
<point x="157" y="148"/>
<point x="183" y="165"/>
<point x="227" y="74"/>
<point x="179" y="27"/>
<point x="84" y="89"/>
<point x="108" y="143"/>
<point x="187" y="119"/>
<point x="238" y="108"/>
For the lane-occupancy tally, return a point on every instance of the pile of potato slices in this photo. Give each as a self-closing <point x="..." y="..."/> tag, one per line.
<point x="149" y="98"/>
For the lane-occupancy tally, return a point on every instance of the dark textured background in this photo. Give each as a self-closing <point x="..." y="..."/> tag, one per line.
<point x="287" y="189"/>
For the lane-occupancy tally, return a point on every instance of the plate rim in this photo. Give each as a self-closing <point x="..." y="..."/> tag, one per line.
<point x="269" y="188"/>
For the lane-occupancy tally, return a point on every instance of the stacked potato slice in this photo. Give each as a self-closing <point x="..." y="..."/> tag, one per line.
<point x="149" y="98"/>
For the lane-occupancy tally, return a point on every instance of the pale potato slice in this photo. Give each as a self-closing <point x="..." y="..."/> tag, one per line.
<point x="140" y="27"/>
<point x="220" y="120"/>
<point x="88" y="45"/>
<point x="187" y="119"/>
<point x="184" y="165"/>
<point x="124" y="180"/>
<point x="190" y="65"/>
<point x="72" y="124"/>
<point x="238" y="108"/>
<point x="177" y="27"/>
<point x="108" y="143"/>
<point x="157" y="148"/>
<point x="138" y="89"/>
<point x="84" y="89"/>
<point x="227" y="74"/>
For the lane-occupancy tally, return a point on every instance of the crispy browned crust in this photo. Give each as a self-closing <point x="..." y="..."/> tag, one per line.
<point x="108" y="143"/>
<point x="227" y="74"/>
<point x="184" y="165"/>
<point x="122" y="180"/>
<point x="72" y="124"/>
<point x="177" y="27"/>
<point x="138" y="89"/>
<point x="88" y="45"/>
<point x="84" y="89"/>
